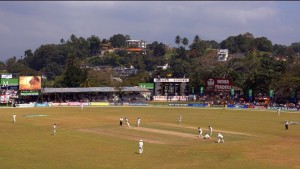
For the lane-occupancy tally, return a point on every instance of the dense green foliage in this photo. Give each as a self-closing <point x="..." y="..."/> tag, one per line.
<point x="253" y="63"/>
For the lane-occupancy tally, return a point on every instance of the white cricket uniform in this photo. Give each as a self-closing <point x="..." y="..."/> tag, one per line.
<point x="210" y="130"/>
<point x="127" y="122"/>
<point x="14" y="118"/>
<point x="54" y="129"/>
<point x="179" y="119"/>
<point x="138" y="122"/>
<point x="206" y="136"/>
<point x="141" y="144"/>
<point x="121" y="121"/>
<point x="220" y="138"/>
<point x="81" y="106"/>
<point x="200" y="132"/>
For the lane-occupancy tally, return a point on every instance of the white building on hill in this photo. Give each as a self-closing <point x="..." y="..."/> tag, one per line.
<point x="223" y="54"/>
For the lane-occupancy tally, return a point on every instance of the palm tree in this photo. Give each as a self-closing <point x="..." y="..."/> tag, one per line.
<point x="178" y="40"/>
<point x="196" y="39"/>
<point x="185" y="41"/>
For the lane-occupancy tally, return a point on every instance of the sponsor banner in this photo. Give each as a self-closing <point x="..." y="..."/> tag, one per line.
<point x="294" y="109"/>
<point x="53" y="104"/>
<point x="58" y="104"/>
<point x="198" y="105"/>
<point x="170" y="98"/>
<point x="161" y="80"/>
<point x="260" y="107"/>
<point x="30" y="83"/>
<point x="74" y="104"/>
<point x="116" y="104"/>
<point x="238" y="106"/>
<point x="25" y="105"/>
<point x="284" y="108"/>
<point x="99" y="103"/>
<point x="29" y="93"/>
<point x="217" y="105"/>
<point x="147" y="85"/>
<point x="6" y="76"/>
<point x="178" y="104"/>
<point x="138" y="104"/>
<point x="10" y="84"/>
<point x="41" y="105"/>
<point x="275" y="108"/>
<point x="219" y="84"/>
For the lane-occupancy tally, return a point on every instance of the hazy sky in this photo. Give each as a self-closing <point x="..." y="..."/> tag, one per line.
<point x="28" y="25"/>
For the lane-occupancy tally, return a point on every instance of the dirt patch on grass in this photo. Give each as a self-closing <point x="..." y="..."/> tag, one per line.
<point x="195" y="128"/>
<point x="173" y="133"/>
<point x="120" y="135"/>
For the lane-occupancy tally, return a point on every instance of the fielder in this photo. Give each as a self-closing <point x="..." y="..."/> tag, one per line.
<point x="206" y="136"/>
<point x="220" y="138"/>
<point x="141" y="144"/>
<point x="200" y="132"/>
<point x="127" y="122"/>
<point x="179" y="119"/>
<point x="286" y="124"/>
<point x="278" y="111"/>
<point x="210" y="129"/>
<point x="14" y="118"/>
<point x="138" y="122"/>
<point x="54" y="129"/>
<point x="81" y="106"/>
<point x="121" y="121"/>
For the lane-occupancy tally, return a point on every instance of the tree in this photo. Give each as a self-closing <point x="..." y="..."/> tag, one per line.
<point x="158" y="48"/>
<point x="94" y="45"/>
<point x="74" y="76"/>
<point x="296" y="47"/>
<point x="185" y="41"/>
<point x="263" y="44"/>
<point x="62" y="41"/>
<point x="118" y="41"/>
<point x="178" y="40"/>
<point x="196" y="39"/>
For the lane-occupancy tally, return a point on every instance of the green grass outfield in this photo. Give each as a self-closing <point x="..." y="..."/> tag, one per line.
<point x="93" y="139"/>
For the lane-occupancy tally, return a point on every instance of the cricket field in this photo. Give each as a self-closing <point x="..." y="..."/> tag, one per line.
<point x="92" y="138"/>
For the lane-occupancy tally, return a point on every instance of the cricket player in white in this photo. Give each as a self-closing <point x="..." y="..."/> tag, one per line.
<point x="54" y="129"/>
<point x="127" y="122"/>
<point x="81" y="106"/>
<point x="220" y="138"/>
<point x="138" y="122"/>
<point x="200" y="132"/>
<point x="210" y="129"/>
<point x="141" y="144"/>
<point x="278" y="111"/>
<point x="14" y="118"/>
<point x="179" y="119"/>
<point x="121" y="121"/>
<point x="206" y="136"/>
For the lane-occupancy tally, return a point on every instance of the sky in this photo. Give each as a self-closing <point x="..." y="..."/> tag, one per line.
<point x="29" y="24"/>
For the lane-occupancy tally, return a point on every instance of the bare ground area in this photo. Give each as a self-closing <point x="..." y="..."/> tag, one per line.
<point x="173" y="133"/>
<point x="125" y="135"/>
<point x="195" y="128"/>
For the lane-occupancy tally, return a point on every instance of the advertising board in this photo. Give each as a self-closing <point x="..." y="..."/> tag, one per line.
<point x="218" y="84"/>
<point x="10" y="84"/>
<point x="30" y="83"/>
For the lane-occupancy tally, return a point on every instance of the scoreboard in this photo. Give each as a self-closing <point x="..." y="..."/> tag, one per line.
<point x="170" y="86"/>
